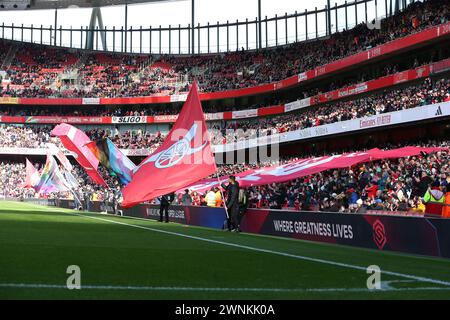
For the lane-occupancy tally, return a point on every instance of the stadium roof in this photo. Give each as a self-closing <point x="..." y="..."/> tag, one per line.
<point x="61" y="4"/>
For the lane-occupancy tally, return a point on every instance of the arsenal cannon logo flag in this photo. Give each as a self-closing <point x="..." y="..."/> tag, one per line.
<point x="184" y="158"/>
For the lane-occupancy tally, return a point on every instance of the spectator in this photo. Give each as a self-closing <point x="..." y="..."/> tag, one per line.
<point x="186" y="199"/>
<point x="211" y="198"/>
<point x="434" y="199"/>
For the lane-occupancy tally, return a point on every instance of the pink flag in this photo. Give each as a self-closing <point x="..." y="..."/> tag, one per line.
<point x="32" y="176"/>
<point x="184" y="157"/>
<point x="75" y="140"/>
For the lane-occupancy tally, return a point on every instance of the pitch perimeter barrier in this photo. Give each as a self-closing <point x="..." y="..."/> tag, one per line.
<point x="190" y="215"/>
<point x="407" y="234"/>
<point x="416" y="235"/>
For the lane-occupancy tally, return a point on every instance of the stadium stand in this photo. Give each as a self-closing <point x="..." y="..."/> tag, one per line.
<point x="388" y="185"/>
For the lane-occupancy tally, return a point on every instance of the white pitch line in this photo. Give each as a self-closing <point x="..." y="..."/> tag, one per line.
<point x="284" y="254"/>
<point x="151" y="288"/>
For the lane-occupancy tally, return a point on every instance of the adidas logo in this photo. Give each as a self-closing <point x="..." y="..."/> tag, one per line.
<point x="438" y="111"/>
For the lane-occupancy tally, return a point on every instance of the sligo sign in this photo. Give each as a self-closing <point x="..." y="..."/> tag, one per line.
<point x="130" y="119"/>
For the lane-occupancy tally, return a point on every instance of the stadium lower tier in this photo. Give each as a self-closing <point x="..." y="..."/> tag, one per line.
<point x="402" y="184"/>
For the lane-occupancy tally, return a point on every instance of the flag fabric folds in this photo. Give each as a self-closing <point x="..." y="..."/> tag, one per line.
<point x="51" y="180"/>
<point x="55" y="151"/>
<point x="306" y="167"/>
<point x="32" y="175"/>
<point x="184" y="157"/>
<point x="75" y="140"/>
<point x="71" y="180"/>
<point x="113" y="159"/>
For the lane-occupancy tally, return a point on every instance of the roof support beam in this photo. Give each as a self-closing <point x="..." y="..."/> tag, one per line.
<point x="193" y="26"/>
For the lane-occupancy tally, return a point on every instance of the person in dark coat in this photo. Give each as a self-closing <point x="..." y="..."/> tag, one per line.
<point x="243" y="205"/>
<point x="232" y="203"/>
<point x="166" y="200"/>
<point x="87" y="200"/>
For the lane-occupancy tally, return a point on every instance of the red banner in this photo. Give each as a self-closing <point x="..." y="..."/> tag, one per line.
<point x="307" y="167"/>
<point x="51" y="101"/>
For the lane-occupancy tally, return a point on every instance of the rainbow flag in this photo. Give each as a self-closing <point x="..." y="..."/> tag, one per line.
<point x="51" y="180"/>
<point x="112" y="159"/>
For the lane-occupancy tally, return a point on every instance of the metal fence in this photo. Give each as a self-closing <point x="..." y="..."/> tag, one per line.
<point x="212" y="38"/>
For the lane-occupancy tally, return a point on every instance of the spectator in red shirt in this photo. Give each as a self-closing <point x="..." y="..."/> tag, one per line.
<point x="371" y="190"/>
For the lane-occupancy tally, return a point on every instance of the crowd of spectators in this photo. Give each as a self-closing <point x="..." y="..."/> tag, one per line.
<point x="244" y="69"/>
<point x="36" y="72"/>
<point x="13" y="136"/>
<point x="428" y="92"/>
<point x="386" y="185"/>
<point x="25" y="137"/>
<point x="211" y="107"/>
<point x="12" y="177"/>
<point x="130" y="139"/>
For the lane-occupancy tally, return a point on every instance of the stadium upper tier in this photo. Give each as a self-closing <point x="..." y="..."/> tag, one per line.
<point x="34" y="71"/>
<point x="155" y="114"/>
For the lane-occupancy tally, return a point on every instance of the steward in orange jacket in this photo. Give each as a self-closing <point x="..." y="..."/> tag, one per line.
<point x="446" y="208"/>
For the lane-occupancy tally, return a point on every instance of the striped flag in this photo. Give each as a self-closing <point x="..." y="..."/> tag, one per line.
<point x="51" y="180"/>
<point x="112" y="159"/>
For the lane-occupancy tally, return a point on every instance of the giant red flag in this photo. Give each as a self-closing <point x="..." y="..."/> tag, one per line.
<point x="306" y="167"/>
<point x="184" y="157"/>
<point x="75" y="140"/>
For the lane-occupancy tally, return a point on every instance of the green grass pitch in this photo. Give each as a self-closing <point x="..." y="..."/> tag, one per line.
<point x="124" y="258"/>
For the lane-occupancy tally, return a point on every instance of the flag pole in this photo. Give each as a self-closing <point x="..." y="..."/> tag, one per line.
<point x="217" y="171"/>
<point x="221" y="192"/>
